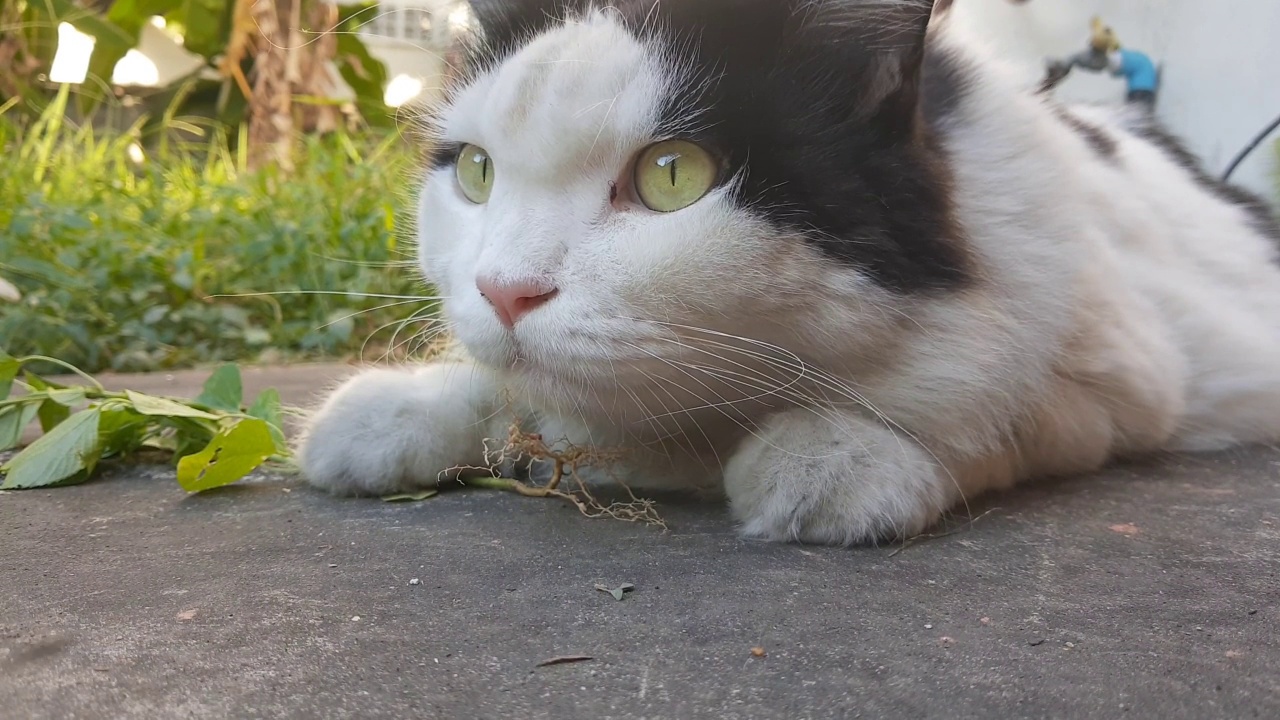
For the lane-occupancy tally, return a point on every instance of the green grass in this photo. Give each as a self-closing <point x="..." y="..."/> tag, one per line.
<point x="124" y="265"/>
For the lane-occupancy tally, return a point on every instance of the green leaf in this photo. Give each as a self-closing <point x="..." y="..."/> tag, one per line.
<point x="67" y="397"/>
<point x="52" y="414"/>
<point x="222" y="391"/>
<point x="39" y="383"/>
<point x="163" y="407"/>
<point x="267" y="407"/>
<point x="189" y="436"/>
<point x="233" y="453"/>
<point x="58" y="406"/>
<point x="121" y="430"/>
<point x="9" y="367"/>
<point x="13" y="420"/>
<point x="365" y="74"/>
<point x="411" y="497"/>
<point x="71" y="448"/>
<point x="133" y="13"/>
<point x="206" y="25"/>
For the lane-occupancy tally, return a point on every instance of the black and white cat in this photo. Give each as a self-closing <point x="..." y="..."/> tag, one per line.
<point x="822" y="252"/>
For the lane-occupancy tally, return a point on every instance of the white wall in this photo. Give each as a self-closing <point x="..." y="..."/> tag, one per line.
<point x="1220" y="64"/>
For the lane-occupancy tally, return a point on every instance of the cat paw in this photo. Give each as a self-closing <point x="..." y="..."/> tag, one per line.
<point x="833" y="481"/>
<point x="387" y="431"/>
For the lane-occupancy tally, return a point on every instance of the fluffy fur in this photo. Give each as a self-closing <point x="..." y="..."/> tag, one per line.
<point x="917" y="282"/>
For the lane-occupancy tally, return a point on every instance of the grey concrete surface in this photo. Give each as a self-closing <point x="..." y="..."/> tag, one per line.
<point x="1146" y="591"/>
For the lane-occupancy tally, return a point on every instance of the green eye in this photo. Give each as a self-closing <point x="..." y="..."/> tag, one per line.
<point x="475" y="173"/>
<point x="674" y="174"/>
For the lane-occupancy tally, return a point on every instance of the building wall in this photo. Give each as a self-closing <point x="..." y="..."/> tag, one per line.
<point x="1220" y="64"/>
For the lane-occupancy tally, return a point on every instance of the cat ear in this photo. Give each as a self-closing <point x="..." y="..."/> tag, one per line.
<point x="507" y="24"/>
<point x="882" y="45"/>
<point x="856" y="61"/>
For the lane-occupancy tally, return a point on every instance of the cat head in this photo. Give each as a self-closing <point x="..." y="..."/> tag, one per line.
<point x="618" y="193"/>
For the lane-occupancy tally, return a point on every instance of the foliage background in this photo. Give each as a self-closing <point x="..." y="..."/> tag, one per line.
<point x="149" y="245"/>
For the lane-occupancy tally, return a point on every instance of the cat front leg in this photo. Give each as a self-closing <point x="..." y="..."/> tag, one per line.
<point x="388" y="430"/>
<point x="834" y="478"/>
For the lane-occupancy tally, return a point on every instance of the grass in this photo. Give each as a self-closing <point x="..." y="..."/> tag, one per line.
<point x="125" y="261"/>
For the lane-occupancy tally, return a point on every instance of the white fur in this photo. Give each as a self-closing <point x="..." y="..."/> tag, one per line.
<point x="1120" y="310"/>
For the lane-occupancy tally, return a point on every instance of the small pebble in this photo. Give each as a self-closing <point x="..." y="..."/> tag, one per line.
<point x="758" y="652"/>
<point x="1035" y="642"/>
<point x="415" y="581"/>
<point x="333" y="565"/>
<point x="1070" y="644"/>
<point x="355" y="618"/>
<point x="947" y="642"/>
<point x="985" y="620"/>
<point x="928" y="626"/>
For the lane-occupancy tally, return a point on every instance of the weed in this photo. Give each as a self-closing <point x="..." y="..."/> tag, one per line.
<point x="139" y="259"/>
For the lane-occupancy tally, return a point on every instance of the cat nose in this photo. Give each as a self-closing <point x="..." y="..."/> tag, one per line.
<point x="515" y="299"/>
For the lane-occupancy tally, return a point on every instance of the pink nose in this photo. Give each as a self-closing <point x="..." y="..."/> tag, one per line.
<point x="513" y="300"/>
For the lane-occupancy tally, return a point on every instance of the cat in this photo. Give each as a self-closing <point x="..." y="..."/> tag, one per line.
<point x="824" y="256"/>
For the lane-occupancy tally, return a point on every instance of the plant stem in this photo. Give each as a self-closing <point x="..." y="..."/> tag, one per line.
<point x="500" y="483"/>
<point x="60" y="363"/>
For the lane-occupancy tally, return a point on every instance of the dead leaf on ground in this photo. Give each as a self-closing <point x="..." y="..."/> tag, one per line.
<point x="565" y="659"/>
<point x="411" y="496"/>
<point x="617" y="592"/>
<point x="758" y="652"/>
<point x="187" y="614"/>
<point x="1125" y="529"/>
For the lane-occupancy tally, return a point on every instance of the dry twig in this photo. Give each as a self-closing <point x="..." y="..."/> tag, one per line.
<point x="566" y="460"/>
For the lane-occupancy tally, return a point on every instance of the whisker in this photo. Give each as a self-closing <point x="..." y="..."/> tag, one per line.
<point x="828" y="381"/>
<point x="653" y="383"/>
<point x="341" y="293"/>
<point x="368" y="310"/>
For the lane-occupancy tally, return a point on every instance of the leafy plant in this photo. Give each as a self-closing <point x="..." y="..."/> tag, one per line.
<point x="132" y="260"/>
<point x="214" y="439"/>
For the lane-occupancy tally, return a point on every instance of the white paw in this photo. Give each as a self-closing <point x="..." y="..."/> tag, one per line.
<point x="835" y="480"/>
<point x="391" y="430"/>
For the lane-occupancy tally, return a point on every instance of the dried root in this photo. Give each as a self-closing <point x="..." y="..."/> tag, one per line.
<point x="566" y="484"/>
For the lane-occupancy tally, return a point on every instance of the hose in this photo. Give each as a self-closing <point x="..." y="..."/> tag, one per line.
<point x="1250" y="148"/>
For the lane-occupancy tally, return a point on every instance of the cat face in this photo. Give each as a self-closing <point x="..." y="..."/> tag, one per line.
<point x="636" y="194"/>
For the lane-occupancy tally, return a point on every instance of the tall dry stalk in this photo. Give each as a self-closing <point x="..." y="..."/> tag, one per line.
<point x="291" y="44"/>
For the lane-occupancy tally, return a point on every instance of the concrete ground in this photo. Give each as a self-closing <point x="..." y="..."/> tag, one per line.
<point x="1147" y="591"/>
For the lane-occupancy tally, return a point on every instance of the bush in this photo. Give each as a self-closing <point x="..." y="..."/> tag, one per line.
<point x="125" y="264"/>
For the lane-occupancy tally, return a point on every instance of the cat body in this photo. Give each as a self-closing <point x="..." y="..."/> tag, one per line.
<point x="911" y="281"/>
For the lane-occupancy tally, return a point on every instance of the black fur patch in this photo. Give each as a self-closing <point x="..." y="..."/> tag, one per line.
<point x="816" y="107"/>
<point x="1104" y="146"/>
<point x="794" y="92"/>
<point x="443" y="154"/>
<point x="1264" y="219"/>
<point x="944" y="85"/>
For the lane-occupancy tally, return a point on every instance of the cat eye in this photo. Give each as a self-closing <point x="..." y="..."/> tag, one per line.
<point x="475" y="173"/>
<point x="674" y="174"/>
